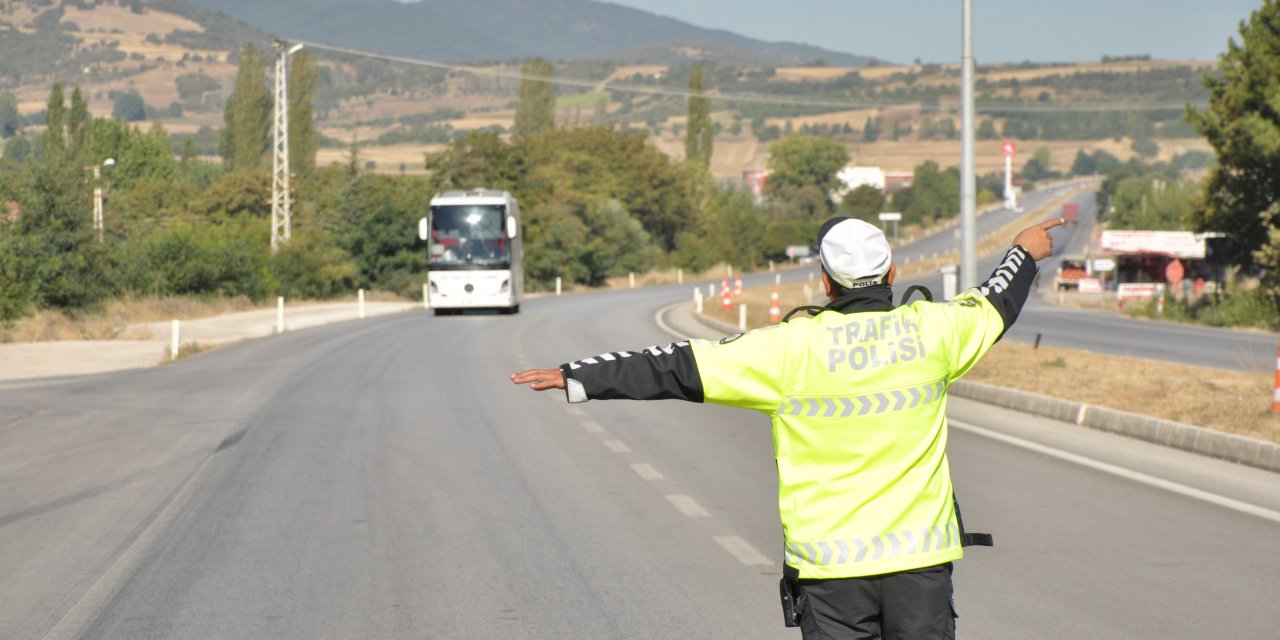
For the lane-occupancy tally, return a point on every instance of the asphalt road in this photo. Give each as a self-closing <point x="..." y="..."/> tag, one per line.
<point x="1098" y="331"/>
<point x="382" y="479"/>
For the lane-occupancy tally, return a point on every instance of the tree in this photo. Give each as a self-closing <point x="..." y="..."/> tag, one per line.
<point x="10" y="119"/>
<point x="1241" y="196"/>
<point x="246" y="135"/>
<point x="865" y="203"/>
<point x="77" y="119"/>
<point x="699" y="135"/>
<point x="129" y="107"/>
<point x="798" y="161"/>
<point x="55" y="119"/>
<point x="303" y="72"/>
<point x="536" y="110"/>
<point x="933" y="194"/>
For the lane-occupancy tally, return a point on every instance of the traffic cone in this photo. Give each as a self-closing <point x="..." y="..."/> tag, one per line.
<point x="725" y="302"/>
<point x="775" y="312"/>
<point x="737" y="286"/>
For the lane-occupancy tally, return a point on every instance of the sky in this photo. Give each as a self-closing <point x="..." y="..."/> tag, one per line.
<point x="1004" y="30"/>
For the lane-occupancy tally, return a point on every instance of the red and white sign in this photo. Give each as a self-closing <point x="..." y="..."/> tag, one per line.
<point x="1178" y="244"/>
<point x="1089" y="285"/>
<point x="1138" y="290"/>
<point x="1008" y="148"/>
<point x="1174" y="272"/>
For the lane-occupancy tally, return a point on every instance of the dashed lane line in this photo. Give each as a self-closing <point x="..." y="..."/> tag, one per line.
<point x="592" y="427"/>
<point x="688" y="506"/>
<point x="617" y="446"/>
<point x="646" y="471"/>
<point x="743" y="551"/>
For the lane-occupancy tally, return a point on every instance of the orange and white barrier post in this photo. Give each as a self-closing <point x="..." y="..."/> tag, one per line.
<point x="725" y="302"/>
<point x="1275" y="395"/>
<point x="775" y="312"/>
<point x="737" y="286"/>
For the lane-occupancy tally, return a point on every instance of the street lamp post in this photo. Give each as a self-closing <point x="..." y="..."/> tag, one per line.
<point x="280" y="200"/>
<point x="968" y="197"/>
<point x="98" y="195"/>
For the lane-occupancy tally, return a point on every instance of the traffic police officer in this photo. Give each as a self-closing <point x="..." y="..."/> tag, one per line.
<point x="857" y="398"/>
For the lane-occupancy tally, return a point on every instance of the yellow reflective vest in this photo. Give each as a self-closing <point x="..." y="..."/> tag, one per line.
<point x="858" y="404"/>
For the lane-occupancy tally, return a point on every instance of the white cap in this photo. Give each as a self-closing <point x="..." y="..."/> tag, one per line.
<point x="854" y="253"/>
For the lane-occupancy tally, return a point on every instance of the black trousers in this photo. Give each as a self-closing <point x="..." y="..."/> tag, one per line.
<point x="909" y="605"/>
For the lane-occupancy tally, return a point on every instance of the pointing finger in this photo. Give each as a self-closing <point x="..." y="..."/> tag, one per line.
<point x="1051" y="223"/>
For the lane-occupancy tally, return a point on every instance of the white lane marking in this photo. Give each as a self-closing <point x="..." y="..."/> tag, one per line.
<point x="574" y="411"/>
<point x="592" y="427"/>
<point x="688" y="506"/>
<point x="646" y="471"/>
<point x="1128" y="474"/>
<point x="743" y="551"/>
<point x="617" y="446"/>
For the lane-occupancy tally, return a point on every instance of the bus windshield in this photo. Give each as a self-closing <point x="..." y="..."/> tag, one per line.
<point x="469" y="236"/>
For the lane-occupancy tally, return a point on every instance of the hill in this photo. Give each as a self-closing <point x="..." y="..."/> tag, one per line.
<point x="471" y="30"/>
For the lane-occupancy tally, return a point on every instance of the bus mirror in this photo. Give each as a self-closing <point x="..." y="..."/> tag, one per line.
<point x="422" y="228"/>
<point x="511" y="226"/>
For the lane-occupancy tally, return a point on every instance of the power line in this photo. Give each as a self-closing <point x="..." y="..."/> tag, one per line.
<point x="757" y="98"/>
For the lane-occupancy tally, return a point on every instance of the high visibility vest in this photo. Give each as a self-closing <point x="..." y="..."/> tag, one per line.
<point x="858" y="405"/>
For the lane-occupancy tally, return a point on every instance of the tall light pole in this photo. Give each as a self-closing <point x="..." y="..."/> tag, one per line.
<point x="968" y="198"/>
<point x="280" y="200"/>
<point x="98" y="193"/>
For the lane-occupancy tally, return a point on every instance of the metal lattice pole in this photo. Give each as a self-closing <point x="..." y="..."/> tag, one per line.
<point x="280" y="198"/>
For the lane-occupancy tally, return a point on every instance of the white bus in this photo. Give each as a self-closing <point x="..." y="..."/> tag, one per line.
<point x="474" y="251"/>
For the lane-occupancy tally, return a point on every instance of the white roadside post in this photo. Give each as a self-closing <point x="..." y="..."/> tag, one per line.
<point x="631" y="278"/>
<point x="174" y="342"/>
<point x="742" y="317"/>
<point x="777" y="279"/>
<point x="679" y="276"/>
<point x="558" y="282"/>
<point x="808" y="293"/>
<point x="426" y="300"/>
<point x="697" y="299"/>
<point x="280" y="314"/>
<point x="361" y="312"/>
<point x="948" y="282"/>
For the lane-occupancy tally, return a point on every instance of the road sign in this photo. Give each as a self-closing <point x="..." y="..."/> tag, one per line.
<point x="1104" y="264"/>
<point x="890" y="217"/>
<point x="1009" y="149"/>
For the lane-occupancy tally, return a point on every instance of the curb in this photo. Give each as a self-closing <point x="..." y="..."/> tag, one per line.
<point x="1207" y="442"/>
<point x="1199" y="440"/>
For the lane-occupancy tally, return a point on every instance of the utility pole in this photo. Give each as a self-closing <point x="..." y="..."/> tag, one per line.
<point x="968" y="197"/>
<point x="280" y="194"/>
<point x="98" y="193"/>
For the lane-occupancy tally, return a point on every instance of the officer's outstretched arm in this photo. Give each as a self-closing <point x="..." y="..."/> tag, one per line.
<point x="656" y="373"/>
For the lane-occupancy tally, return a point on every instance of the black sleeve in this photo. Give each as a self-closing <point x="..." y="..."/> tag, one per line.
<point x="1010" y="285"/>
<point x="656" y="373"/>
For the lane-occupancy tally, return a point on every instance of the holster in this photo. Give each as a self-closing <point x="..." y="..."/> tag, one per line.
<point x="789" y="590"/>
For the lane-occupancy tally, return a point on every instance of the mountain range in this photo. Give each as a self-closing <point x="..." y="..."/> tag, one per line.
<point x="474" y="30"/>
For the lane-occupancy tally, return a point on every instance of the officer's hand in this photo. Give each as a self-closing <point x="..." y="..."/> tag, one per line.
<point x="542" y="379"/>
<point x="1036" y="240"/>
